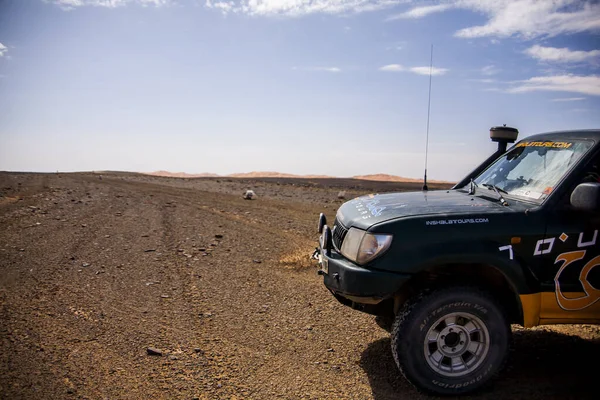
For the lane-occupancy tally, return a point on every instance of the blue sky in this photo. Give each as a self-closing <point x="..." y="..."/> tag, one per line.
<point x="335" y="87"/>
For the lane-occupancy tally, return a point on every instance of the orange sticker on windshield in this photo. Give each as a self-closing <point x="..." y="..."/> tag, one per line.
<point x="555" y="145"/>
<point x="548" y="190"/>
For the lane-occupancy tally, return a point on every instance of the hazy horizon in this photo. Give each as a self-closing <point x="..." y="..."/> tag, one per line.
<point x="239" y="174"/>
<point x="310" y="87"/>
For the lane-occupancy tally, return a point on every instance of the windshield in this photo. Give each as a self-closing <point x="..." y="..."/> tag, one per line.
<point x="532" y="170"/>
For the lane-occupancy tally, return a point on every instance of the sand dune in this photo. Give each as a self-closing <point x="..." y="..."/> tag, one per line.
<point x="393" y="178"/>
<point x="273" y="174"/>
<point x="181" y="174"/>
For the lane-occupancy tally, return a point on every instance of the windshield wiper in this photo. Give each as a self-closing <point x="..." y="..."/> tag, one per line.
<point x="473" y="187"/>
<point x="497" y="190"/>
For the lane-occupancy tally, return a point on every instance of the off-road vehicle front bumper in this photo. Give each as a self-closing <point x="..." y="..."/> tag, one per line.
<point x="348" y="281"/>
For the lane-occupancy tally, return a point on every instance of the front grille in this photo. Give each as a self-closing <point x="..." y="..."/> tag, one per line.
<point x="339" y="232"/>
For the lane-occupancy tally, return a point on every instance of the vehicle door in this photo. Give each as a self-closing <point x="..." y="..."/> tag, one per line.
<point x="571" y="253"/>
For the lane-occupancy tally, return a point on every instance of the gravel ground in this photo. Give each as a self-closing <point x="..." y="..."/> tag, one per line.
<point x="125" y="286"/>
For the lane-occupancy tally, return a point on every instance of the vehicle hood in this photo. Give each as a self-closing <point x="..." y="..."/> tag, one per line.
<point x="363" y="212"/>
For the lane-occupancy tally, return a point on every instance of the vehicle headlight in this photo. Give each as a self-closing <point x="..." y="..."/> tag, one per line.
<point x="362" y="247"/>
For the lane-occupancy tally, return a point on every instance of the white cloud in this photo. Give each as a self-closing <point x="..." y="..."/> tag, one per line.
<point x="415" y="70"/>
<point x="490" y="70"/>
<point x="569" y="99"/>
<point x="318" y="69"/>
<point x="66" y="4"/>
<point x="3" y="50"/>
<point x="483" y="80"/>
<point x="505" y="18"/>
<point x="532" y="18"/>
<point x="72" y="4"/>
<point x="524" y="18"/>
<point x="426" y="70"/>
<point x="560" y="55"/>
<point x="392" y="68"/>
<point x="589" y="84"/>
<point x="420" y="12"/>
<point x="225" y="6"/>
<point x="295" y="8"/>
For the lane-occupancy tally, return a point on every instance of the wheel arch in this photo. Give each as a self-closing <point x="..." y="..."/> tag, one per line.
<point x="478" y="274"/>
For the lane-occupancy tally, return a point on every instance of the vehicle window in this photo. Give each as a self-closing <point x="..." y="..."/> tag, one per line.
<point x="533" y="169"/>
<point x="592" y="172"/>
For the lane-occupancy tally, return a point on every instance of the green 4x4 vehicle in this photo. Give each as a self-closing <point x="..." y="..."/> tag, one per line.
<point x="515" y="242"/>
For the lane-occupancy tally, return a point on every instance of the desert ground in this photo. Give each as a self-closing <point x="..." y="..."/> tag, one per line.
<point x="126" y="286"/>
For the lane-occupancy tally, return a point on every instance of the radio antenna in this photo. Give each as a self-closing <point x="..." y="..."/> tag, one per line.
<point x="428" y="111"/>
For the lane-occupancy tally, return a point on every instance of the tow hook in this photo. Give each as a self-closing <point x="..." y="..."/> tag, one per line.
<point x="315" y="254"/>
<point x="335" y="276"/>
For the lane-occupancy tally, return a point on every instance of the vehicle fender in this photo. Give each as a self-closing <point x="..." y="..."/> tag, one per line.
<point x="506" y="261"/>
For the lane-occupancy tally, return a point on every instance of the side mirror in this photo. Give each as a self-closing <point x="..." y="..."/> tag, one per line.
<point x="586" y="196"/>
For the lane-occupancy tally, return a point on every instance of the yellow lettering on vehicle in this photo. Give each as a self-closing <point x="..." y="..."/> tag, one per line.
<point x="555" y="145"/>
<point x="561" y="306"/>
<point x="591" y="293"/>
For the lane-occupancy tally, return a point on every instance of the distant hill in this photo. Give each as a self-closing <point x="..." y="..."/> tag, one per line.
<point x="272" y="174"/>
<point x="181" y="174"/>
<point x="393" y="178"/>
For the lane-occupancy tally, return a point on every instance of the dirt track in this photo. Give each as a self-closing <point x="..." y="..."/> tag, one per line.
<point x="94" y="271"/>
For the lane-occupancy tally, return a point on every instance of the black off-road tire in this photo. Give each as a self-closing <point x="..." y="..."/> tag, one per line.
<point x="418" y="357"/>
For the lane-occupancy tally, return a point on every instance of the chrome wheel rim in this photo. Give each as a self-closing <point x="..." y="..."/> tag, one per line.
<point x="456" y="344"/>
